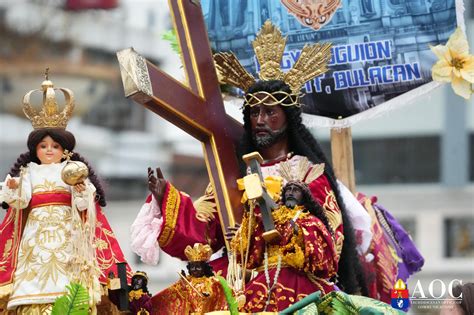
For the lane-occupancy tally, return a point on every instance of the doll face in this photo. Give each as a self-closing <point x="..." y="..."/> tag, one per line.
<point x="49" y="151"/>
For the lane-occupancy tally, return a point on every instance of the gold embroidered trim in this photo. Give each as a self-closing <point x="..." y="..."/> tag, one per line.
<point x="34" y="309"/>
<point x="272" y="265"/>
<point x="40" y="205"/>
<point x="49" y="187"/>
<point x="62" y="192"/>
<point x="6" y="290"/>
<point x="171" y="216"/>
<point x="13" y="250"/>
<point x="205" y="206"/>
<point x="36" y="295"/>
<point x="331" y="209"/>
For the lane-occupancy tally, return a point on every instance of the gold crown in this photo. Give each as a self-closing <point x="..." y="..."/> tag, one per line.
<point x="198" y="252"/>
<point x="269" y="46"/>
<point x="49" y="116"/>
<point x="141" y="273"/>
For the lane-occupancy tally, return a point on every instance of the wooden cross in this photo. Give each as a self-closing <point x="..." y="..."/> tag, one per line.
<point x="197" y="109"/>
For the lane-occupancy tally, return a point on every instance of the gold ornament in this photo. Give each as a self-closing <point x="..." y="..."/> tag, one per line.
<point x="269" y="46"/>
<point x="74" y="172"/>
<point x="49" y="116"/>
<point x="312" y="13"/>
<point x="230" y="71"/>
<point x="304" y="171"/>
<point x="198" y="252"/>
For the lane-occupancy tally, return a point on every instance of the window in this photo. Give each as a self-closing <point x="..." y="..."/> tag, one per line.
<point x="459" y="237"/>
<point x="403" y="155"/>
<point x="409" y="224"/>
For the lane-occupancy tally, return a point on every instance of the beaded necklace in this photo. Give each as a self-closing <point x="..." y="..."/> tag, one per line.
<point x="267" y="277"/>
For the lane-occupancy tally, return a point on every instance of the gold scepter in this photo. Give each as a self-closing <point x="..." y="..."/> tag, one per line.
<point x="190" y="284"/>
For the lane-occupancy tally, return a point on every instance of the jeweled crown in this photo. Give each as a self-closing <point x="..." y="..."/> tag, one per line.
<point x="269" y="46"/>
<point x="49" y="116"/>
<point x="198" y="252"/>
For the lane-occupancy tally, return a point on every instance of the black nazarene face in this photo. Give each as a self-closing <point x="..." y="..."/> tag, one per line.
<point x="138" y="282"/>
<point x="268" y="124"/>
<point x="196" y="269"/>
<point x="293" y="196"/>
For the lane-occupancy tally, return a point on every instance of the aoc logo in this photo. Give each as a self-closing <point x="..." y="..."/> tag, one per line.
<point x="400" y="295"/>
<point x="437" y="293"/>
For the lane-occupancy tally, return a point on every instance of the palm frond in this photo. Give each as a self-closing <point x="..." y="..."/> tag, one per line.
<point x="231" y="301"/>
<point x="74" y="302"/>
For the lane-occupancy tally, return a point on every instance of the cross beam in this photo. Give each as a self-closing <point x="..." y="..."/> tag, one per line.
<point x="197" y="108"/>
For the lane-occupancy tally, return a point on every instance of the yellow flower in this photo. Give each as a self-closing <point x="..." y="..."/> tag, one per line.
<point x="455" y="64"/>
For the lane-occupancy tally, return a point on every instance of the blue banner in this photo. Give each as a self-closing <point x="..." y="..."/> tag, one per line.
<point x="380" y="47"/>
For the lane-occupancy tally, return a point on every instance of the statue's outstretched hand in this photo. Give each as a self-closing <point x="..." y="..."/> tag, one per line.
<point x="12" y="183"/>
<point x="156" y="184"/>
<point x="79" y="188"/>
<point x="231" y="231"/>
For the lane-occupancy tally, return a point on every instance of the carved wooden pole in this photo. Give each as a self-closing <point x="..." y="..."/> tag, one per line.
<point x="342" y="156"/>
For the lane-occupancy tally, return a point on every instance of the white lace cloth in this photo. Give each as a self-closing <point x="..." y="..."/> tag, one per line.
<point x="145" y="231"/>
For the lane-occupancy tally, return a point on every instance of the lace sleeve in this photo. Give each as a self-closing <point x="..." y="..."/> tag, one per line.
<point x="145" y="231"/>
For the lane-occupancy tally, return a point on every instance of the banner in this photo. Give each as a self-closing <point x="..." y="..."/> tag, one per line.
<point x="380" y="56"/>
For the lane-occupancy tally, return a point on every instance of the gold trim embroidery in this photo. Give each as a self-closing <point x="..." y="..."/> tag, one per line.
<point x="5" y="290"/>
<point x="39" y="294"/>
<point x="34" y="309"/>
<point x="171" y="216"/>
<point x="49" y="187"/>
<point x="41" y="205"/>
<point x="14" y="249"/>
<point x="62" y="192"/>
<point x="206" y="206"/>
<point x="331" y="209"/>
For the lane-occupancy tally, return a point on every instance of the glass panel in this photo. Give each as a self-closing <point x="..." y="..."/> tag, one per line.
<point x="409" y="224"/>
<point x="459" y="237"/>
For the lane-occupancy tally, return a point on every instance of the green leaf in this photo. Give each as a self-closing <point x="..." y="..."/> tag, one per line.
<point x="170" y="36"/>
<point x="299" y="307"/>
<point x="231" y="301"/>
<point x="74" y="302"/>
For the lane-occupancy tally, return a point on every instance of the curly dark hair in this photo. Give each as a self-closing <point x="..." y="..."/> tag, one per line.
<point x="67" y="142"/>
<point x="309" y="204"/>
<point x="301" y="142"/>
